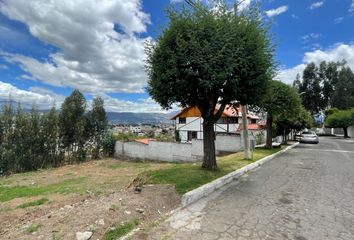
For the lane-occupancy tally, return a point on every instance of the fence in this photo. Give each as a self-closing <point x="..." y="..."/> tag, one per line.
<point x="175" y="152"/>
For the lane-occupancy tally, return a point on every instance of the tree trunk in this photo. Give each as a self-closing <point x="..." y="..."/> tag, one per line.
<point x="345" y="129"/>
<point x="209" y="160"/>
<point x="269" y="131"/>
<point x="246" y="141"/>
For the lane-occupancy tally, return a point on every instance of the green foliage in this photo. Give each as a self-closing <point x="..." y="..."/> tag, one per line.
<point x="331" y="84"/>
<point x="341" y="119"/>
<point x="177" y="136"/>
<point x="72" y="124"/>
<point x="282" y="104"/>
<point x="204" y="58"/>
<point x="343" y="95"/>
<point x="97" y="125"/>
<point x="120" y="230"/>
<point x="34" y="227"/>
<point x="108" y="144"/>
<point x="125" y="137"/>
<point x="67" y="186"/>
<point x="33" y="203"/>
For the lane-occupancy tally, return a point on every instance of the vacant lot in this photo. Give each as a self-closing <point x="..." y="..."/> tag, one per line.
<point x="95" y="196"/>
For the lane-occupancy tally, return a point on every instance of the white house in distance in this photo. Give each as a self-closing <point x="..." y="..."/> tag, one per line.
<point x="189" y="123"/>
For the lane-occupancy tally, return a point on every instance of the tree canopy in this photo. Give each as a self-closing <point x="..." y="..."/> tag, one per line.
<point x="280" y="99"/>
<point x="341" y="119"/>
<point x="331" y="84"/>
<point x="209" y="59"/>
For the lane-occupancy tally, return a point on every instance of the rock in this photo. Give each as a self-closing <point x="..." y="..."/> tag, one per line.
<point x="137" y="189"/>
<point x="84" y="235"/>
<point x="128" y="212"/>
<point x="139" y="210"/>
<point x="100" y="222"/>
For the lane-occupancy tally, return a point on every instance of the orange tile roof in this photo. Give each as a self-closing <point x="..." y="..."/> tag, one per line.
<point x="144" y="140"/>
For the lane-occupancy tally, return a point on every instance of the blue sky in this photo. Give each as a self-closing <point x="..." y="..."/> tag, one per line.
<point x="48" y="48"/>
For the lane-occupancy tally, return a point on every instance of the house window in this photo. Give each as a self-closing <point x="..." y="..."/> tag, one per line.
<point x="192" y="135"/>
<point x="182" y="120"/>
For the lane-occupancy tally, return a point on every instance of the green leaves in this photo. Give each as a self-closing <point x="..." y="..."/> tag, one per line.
<point x="206" y="54"/>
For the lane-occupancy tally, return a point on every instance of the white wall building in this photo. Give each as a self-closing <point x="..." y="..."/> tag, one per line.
<point x="189" y="123"/>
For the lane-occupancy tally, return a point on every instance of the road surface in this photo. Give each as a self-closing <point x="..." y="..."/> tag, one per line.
<point x="306" y="193"/>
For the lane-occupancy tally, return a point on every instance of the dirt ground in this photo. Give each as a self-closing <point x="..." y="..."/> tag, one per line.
<point x="98" y="201"/>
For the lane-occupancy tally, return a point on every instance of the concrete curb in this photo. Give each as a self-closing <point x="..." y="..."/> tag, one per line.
<point x="207" y="189"/>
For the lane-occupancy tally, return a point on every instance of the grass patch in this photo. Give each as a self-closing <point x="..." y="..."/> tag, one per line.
<point x="120" y="230"/>
<point x="8" y="193"/>
<point x="187" y="176"/>
<point x="34" y="227"/>
<point x="33" y="203"/>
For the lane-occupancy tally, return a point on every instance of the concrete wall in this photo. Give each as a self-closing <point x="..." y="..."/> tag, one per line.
<point x="351" y="131"/>
<point x="175" y="152"/>
<point x="228" y="143"/>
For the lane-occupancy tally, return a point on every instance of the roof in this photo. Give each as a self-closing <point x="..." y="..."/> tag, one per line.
<point x="144" y="140"/>
<point x="251" y="127"/>
<point x="229" y="111"/>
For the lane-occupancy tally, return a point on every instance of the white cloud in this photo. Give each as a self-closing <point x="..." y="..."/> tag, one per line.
<point x="309" y="37"/>
<point x="316" y="5"/>
<point x="336" y="53"/>
<point x="40" y="98"/>
<point x="339" y="20"/>
<point x="140" y="105"/>
<point x="92" y="55"/>
<point x="351" y="9"/>
<point x="276" y="11"/>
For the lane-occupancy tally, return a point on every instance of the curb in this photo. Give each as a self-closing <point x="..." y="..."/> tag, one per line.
<point x="206" y="189"/>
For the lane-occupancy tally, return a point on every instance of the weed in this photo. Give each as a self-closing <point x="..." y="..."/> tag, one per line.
<point x="33" y="203"/>
<point x="8" y="193"/>
<point x="34" y="227"/>
<point x="120" y="230"/>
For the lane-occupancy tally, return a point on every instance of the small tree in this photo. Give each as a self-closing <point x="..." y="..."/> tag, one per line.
<point x="341" y="119"/>
<point x="280" y="99"/>
<point x="209" y="59"/>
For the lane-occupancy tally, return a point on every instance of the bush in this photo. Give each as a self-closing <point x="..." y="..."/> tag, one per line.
<point x="108" y="144"/>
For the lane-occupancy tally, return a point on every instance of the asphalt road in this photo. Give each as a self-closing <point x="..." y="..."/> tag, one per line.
<point x="306" y="193"/>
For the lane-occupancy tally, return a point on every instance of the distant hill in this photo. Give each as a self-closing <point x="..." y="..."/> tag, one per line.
<point x="136" y="118"/>
<point x="117" y="117"/>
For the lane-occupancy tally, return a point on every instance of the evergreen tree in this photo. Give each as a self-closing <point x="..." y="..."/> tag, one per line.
<point x="97" y="124"/>
<point x="72" y="126"/>
<point x="310" y="90"/>
<point x="343" y="95"/>
<point x="8" y="155"/>
<point x="50" y="134"/>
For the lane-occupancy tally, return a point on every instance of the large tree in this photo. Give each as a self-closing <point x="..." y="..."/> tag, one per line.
<point x="280" y="99"/>
<point x="310" y="89"/>
<point x="343" y="94"/>
<point x="208" y="59"/>
<point x="97" y="124"/>
<point x="72" y="124"/>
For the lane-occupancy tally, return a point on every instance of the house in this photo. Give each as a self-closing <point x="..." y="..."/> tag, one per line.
<point x="189" y="123"/>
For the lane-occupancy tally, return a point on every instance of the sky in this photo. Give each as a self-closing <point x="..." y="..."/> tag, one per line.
<point x="50" y="47"/>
